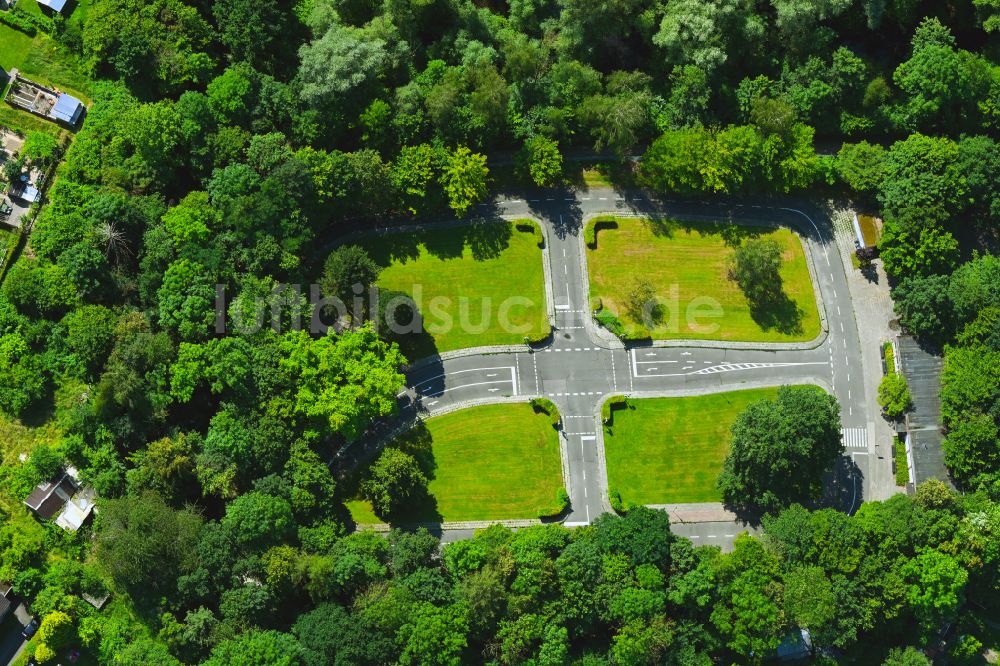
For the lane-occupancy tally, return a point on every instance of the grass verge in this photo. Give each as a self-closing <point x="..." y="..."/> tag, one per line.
<point x="476" y="285"/>
<point x="494" y="462"/>
<point x="686" y="266"/>
<point x="670" y="450"/>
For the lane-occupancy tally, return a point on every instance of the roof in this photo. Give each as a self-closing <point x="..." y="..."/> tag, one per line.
<point x="26" y="192"/>
<point x="922" y="370"/>
<point x="76" y="510"/>
<point x="48" y="498"/>
<point x="55" y="5"/>
<point x="67" y="108"/>
<point x="4" y="607"/>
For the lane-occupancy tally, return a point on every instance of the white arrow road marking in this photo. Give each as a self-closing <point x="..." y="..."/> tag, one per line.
<point x="492" y="374"/>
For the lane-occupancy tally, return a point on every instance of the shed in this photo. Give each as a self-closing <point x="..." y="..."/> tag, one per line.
<point x="48" y="498"/>
<point x="54" y="5"/>
<point x="67" y="108"/>
<point x="25" y="192"/>
<point x="76" y="510"/>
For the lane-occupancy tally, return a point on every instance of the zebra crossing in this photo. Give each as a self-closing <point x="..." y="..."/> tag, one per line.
<point x="854" y="438"/>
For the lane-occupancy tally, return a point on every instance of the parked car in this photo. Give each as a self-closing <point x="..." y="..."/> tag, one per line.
<point x="30" y="629"/>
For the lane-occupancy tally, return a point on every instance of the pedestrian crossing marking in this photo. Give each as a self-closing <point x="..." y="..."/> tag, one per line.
<point x="854" y="438"/>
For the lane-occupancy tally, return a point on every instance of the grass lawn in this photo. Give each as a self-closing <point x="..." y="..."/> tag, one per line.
<point x="670" y="450"/>
<point x="14" y="47"/>
<point x="691" y="259"/>
<point x="454" y="275"/>
<point x="494" y="462"/>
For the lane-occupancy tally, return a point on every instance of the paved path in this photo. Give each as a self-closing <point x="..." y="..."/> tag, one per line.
<point x="581" y="366"/>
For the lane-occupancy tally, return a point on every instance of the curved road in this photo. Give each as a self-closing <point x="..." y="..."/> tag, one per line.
<point x="579" y="367"/>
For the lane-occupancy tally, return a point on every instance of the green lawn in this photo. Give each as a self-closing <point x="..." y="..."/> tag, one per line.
<point x="670" y="450"/>
<point x="494" y="462"/>
<point x="454" y="275"/>
<point x="686" y="265"/>
<point x="14" y="47"/>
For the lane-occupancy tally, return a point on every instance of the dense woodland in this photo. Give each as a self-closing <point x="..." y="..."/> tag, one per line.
<point x="229" y="142"/>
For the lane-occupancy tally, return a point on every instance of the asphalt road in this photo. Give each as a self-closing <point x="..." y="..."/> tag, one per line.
<point x="579" y="367"/>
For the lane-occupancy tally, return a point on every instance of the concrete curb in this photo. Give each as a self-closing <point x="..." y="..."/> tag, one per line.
<point x="468" y="351"/>
<point x="807" y="250"/>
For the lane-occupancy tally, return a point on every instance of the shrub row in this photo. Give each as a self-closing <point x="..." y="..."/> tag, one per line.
<point x="610" y="321"/>
<point x="595" y="225"/>
<point x="29" y="24"/>
<point x="560" y="504"/>
<point x="546" y="406"/>
<point x="610" y="405"/>
<point x="617" y="503"/>
<point x="902" y="469"/>
<point x="529" y="227"/>
<point x="890" y="358"/>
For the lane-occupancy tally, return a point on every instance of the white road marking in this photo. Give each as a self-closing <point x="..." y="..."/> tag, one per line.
<point x="585" y="492"/>
<point x="635" y="370"/>
<point x="588" y="438"/>
<point x="727" y="367"/>
<point x="659" y="361"/>
<point x="459" y="372"/>
<point x="515" y="372"/>
<point x="562" y="307"/>
<point x="854" y="438"/>
<point x="431" y="404"/>
<point x="492" y="390"/>
<point x="492" y="374"/>
<point x="584" y="475"/>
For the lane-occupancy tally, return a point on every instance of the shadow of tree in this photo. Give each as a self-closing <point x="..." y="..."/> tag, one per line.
<point x="776" y="311"/>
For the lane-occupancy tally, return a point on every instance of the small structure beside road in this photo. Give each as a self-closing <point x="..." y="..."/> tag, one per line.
<point x="924" y="450"/>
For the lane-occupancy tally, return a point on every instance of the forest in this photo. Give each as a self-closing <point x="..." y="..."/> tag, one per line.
<point x="231" y="142"/>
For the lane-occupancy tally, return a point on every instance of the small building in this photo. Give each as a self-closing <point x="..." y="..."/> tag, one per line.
<point x="67" y="109"/>
<point x="25" y="192"/>
<point x="63" y="499"/>
<point x="48" y="498"/>
<point x="54" y="5"/>
<point x="866" y="232"/>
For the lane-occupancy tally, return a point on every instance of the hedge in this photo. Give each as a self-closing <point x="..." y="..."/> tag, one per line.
<point x="617" y="503"/>
<point x="890" y="358"/>
<point x="560" y="504"/>
<point x="608" y="320"/>
<point x="546" y="406"/>
<point x="596" y="224"/>
<point x="610" y="405"/>
<point x="902" y="468"/>
<point x="529" y="227"/>
<point x="26" y="22"/>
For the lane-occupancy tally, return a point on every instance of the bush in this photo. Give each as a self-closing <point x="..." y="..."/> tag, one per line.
<point x="617" y="503"/>
<point x="609" y="407"/>
<point x="890" y="358"/>
<point x="894" y="395"/>
<point x="610" y="321"/>
<point x="26" y="22"/>
<point x="560" y="504"/>
<point x="902" y="470"/>
<point x="546" y="406"/>
<point x="595" y="225"/>
<point x="529" y="227"/>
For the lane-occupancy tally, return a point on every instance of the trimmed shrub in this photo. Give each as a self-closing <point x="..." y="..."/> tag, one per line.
<point x="890" y="358"/>
<point x="617" y="503"/>
<point x="610" y="405"/>
<point x="530" y="227"/>
<point x="595" y="225"/>
<point x="610" y="321"/>
<point x="902" y="469"/>
<point x="560" y="504"/>
<point x="546" y="406"/>
<point x="894" y="395"/>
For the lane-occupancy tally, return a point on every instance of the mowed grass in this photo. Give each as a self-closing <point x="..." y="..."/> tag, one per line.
<point x="494" y="462"/>
<point x="671" y="450"/>
<point x="460" y="279"/>
<point x="14" y="47"/>
<point x="694" y="258"/>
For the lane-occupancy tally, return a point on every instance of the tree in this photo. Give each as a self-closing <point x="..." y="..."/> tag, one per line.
<point x="541" y="158"/>
<point x="193" y="220"/>
<point x="921" y="182"/>
<point x="342" y="381"/>
<point x="797" y="19"/>
<point x="809" y="599"/>
<point x="894" y="395"/>
<point x="925" y="308"/>
<point x="917" y="250"/>
<point x="860" y="166"/>
<point x="55" y="631"/>
<point x="23" y="380"/>
<point x="434" y="636"/>
<point x="249" y="30"/>
<point x="909" y="656"/>
<point x="339" y="63"/>
<point x="349" y="273"/>
<point x="970" y="448"/>
<point x="703" y="33"/>
<point x="674" y="163"/>
<point x="464" y="179"/>
<point x="257" y="520"/>
<point x="395" y="482"/>
<point x="39" y="147"/>
<point x="257" y="648"/>
<point x="935" y="587"/>
<point x="145" y="543"/>
<point x="756" y="268"/>
<point x="780" y="449"/>
<point x="187" y="300"/>
<point x="90" y="337"/>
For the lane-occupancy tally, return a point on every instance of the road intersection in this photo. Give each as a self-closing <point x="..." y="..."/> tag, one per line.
<point x="582" y="365"/>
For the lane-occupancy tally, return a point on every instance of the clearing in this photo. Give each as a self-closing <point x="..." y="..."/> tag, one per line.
<point x="475" y="285"/>
<point x="686" y="266"/>
<point x="493" y="462"/>
<point x="670" y="450"/>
